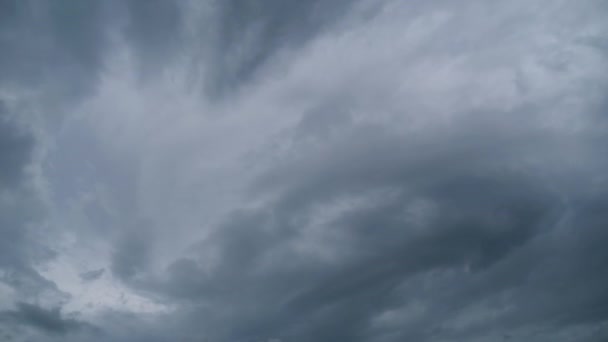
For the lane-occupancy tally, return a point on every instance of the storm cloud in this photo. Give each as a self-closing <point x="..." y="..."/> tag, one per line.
<point x="351" y="170"/>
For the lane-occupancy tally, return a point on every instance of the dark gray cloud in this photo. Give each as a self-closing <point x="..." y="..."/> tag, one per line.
<point x="15" y="149"/>
<point x="131" y="256"/>
<point x="92" y="275"/>
<point x="55" y="46"/>
<point x="250" y="33"/>
<point x="303" y="171"/>
<point x="50" y="56"/>
<point x="49" y="321"/>
<point x="479" y="218"/>
<point x="20" y="208"/>
<point x="154" y="29"/>
<point x="452" y="225"/>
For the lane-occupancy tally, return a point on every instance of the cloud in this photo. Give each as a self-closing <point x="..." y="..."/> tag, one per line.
<point x="249" y="33"/>
<point x="45" y="43"/>
<point x="49" y="321"/>
<point x="304" y="171"/>
<point x="92" y="275"/>
<point x="16" y="149"/>
<point x="20" y="208"/>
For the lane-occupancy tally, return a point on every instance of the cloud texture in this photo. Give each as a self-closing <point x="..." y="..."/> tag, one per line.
<point x="282" y="170"/>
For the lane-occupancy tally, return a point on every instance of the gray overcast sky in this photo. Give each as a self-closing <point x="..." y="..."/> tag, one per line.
<point x="294" y="171"/>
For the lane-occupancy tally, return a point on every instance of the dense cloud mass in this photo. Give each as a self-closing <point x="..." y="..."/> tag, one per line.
<point x="291" y="171"/>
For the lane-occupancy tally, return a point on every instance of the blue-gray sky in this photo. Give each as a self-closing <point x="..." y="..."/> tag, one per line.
<point x="285" y="170"/>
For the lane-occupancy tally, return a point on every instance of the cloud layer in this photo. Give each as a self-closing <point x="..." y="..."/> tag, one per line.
<point x="353" y="170"/>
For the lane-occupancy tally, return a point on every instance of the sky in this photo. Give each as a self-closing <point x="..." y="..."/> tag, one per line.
<point x="295" y="171"/>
